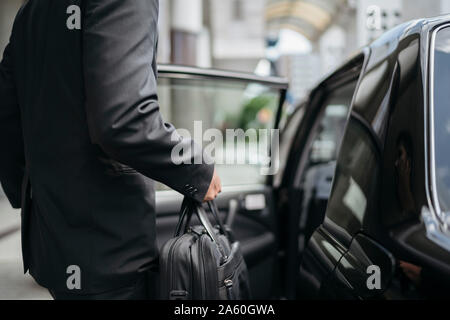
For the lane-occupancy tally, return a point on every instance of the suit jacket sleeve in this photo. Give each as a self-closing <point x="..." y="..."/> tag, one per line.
<point x="12" y="159"/>
<point x="119" y="44"/>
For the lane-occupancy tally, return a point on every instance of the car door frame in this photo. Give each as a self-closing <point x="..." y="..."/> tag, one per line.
<point x="168" y="202"/>
<point x="351" y="70"/>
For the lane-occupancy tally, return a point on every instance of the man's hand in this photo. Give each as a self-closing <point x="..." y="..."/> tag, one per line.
<point x="214" y="188"/>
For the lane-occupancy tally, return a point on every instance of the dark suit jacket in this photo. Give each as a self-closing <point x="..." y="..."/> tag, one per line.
<point x="81" y="134"/>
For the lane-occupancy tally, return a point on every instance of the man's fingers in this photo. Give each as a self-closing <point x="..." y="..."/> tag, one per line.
<point x="214" y="189"/>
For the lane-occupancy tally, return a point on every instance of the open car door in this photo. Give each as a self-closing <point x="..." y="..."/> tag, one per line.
<point x="197" y="100"/>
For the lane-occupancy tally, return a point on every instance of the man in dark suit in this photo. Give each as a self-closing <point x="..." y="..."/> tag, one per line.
<point x="81" y="134"/>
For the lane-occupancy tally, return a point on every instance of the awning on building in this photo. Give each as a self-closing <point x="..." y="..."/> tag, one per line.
<point x="309" y="17"/>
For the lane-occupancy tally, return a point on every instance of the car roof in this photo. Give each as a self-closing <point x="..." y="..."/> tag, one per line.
<point x="390" y="39"/>
<point x="180" y="71"/>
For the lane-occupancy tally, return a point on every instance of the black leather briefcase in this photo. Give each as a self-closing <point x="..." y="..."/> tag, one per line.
<point x="202" y="262"/>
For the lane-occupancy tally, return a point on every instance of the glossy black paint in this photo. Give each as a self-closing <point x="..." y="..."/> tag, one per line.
<point x="376" y="218"/>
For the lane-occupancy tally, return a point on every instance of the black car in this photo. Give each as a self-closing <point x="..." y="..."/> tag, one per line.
<point x="386" y="229"/>
<point x="359" y="206"/>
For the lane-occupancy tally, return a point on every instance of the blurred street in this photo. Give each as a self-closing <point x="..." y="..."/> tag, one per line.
<point x="14" y="285"/>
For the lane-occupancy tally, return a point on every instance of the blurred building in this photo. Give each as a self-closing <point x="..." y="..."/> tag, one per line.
<point x="224" y="34"/>
<point x="336" y="29"/>
<point x="301" y="70"/>
<point x="238" y="33"/>
<point x="234" y="34"/>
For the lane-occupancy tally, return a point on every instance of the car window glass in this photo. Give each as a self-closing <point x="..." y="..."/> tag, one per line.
<point x="318" y="173"/>
<point x="223" y="105"/>
<point x="326" y="140"/>
<point x="326" y="143"/>
<point x="372" y="90"/>
<point x="356" y="179"/>
<point x="441" y="96"/>
<point x="401" y="188"/>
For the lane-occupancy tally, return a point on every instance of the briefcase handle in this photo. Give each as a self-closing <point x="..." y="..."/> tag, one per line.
<point x="215" y="213"/>
<point x="188" y="207"/>
<point x="184" y="212"/>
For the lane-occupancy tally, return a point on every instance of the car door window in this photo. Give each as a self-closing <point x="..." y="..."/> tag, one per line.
<point x="441" y="121"/>
<point x="356" y="179"/>
<point x="321" y="159"/>
<point x="326" y="143"/>
<point x="200" y="104"/>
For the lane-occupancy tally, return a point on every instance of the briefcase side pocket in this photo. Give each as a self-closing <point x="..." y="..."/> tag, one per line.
<point x="233" y="276"/>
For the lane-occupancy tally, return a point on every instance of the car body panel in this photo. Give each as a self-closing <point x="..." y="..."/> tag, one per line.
<point x="391" y="103"/>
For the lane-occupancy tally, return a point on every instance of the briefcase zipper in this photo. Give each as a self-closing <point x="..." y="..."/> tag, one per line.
<point x="203" y="283"/>
<point x="171" y="253"/>
<point x="228" y="283"/>
<point x="229" y="287"/>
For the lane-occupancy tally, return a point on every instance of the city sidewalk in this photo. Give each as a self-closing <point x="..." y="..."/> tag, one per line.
<point x="14" y="285"/>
